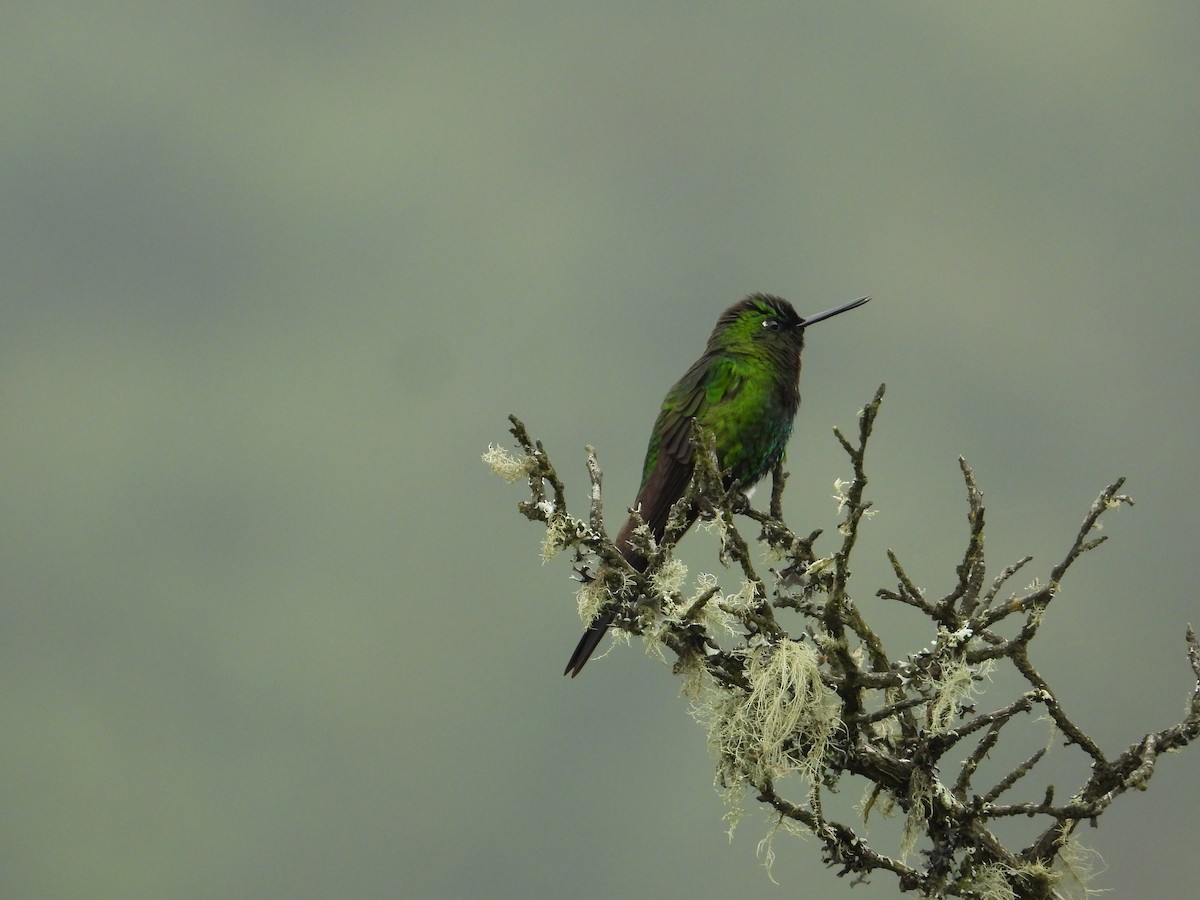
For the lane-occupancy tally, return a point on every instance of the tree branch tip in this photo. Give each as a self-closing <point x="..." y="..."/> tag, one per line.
<point x="1193" y="651"/>
<point x="968" y="473"/>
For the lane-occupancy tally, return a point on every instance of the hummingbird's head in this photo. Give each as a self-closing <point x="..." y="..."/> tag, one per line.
<point x="759" y="323"/>
<point x="762" y="323"/>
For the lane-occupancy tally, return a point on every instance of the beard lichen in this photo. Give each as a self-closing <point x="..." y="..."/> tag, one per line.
<point x="955" y="686"/>
<point x="782" y="726"/>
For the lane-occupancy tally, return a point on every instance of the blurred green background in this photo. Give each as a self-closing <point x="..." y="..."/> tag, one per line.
<point x="275" y="274"/>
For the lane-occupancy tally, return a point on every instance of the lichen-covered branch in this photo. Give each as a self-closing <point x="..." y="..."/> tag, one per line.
<point x="790" y="678"/>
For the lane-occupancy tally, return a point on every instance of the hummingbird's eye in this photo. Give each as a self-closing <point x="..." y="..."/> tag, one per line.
<point x="770" y="325"/>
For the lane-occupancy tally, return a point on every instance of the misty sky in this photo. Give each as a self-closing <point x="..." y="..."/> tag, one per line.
<point x="275" y="274"/>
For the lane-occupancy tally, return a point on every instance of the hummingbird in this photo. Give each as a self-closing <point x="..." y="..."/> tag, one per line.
<point x="745" y="389"/>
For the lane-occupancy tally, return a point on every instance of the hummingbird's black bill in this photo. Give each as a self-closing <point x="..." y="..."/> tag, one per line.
<point x="833" y="312"/>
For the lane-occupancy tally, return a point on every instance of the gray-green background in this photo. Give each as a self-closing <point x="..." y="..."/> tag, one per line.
<point x="275" y="273"/>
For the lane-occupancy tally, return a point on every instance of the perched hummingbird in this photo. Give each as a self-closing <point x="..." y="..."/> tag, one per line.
<point x="745" y="389"/>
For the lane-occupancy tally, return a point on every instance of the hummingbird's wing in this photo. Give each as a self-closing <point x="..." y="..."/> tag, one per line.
<point x="669" y="466"/>
<point x="670" y="459"/>
<point x="668" y="477"/>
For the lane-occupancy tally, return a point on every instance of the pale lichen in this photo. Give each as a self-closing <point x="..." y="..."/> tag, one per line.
<point x="781" y="727"/>
<point x="507" y="466"/>
<point x="957" y="683"/>
<point x="591" y="596"/>
<point x="668" y="579"/>
<point x="554" y="540"/>
<point x="991" y="882"/>
<point x="920" y="798"/>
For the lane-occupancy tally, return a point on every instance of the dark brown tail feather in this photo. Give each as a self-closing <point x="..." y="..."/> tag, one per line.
<point x="595" y="633"/>
<point x="588" y="643"/>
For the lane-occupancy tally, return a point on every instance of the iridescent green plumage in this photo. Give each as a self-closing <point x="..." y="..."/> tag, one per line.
<point x="745" y="390"/>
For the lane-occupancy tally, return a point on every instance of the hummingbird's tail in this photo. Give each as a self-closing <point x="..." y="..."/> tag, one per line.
<point x="595" y="632"/>
<point x="588" y="643"/>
